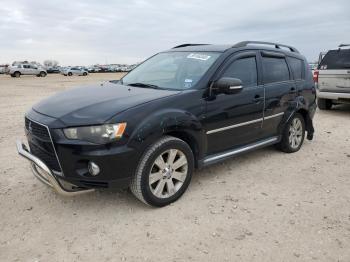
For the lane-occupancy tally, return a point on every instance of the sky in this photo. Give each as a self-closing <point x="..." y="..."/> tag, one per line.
<point x="87" y="32"/>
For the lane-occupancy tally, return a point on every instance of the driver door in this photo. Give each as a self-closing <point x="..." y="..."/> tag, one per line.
<point x="235" y="120"/>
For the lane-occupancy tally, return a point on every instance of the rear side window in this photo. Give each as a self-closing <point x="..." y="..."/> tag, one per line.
<point x="297" y="67"/>
<point x="275" y="70"/>
<point x="336" y="59"/>
<point x="243" y="69"/>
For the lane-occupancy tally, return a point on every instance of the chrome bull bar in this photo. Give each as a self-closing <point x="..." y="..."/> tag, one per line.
<point x="42" y="172"/>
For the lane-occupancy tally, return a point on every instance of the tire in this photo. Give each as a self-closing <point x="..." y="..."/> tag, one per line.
<point x="84" y="74"/>
<point x="42" y="74"/>
<point x="70" y="74"/>
<point x="292" y="136"/>
<point x="158" y="193"/>
<point x="17" y="74"/>
<point x="324" y="104"/>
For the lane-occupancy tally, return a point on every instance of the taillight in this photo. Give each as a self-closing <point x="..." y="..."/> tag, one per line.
<point x="315" y="76"/>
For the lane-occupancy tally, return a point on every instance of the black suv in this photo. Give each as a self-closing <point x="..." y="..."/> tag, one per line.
<point x="184" y="108"/>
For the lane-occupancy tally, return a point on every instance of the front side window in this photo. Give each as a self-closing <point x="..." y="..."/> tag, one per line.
<point x="171" y="70"/>
<point x="275" y="70"/>
<point x="243" y="69"/>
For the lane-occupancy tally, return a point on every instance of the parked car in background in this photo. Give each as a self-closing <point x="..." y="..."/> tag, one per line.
<point x="184" y="108"/>
<point x="333" y="78"/>
<point x="74" y="71"/>
<point x="53" y="70"/>
<point x="3" y="69"/>
<point x="313" y="66"/>
<point x="26" y="69"/>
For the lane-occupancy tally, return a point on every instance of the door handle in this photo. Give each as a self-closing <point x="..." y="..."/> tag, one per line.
<point x="257" y="98"/>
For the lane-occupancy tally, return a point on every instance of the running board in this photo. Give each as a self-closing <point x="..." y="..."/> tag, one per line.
<point x="222" y="156"/>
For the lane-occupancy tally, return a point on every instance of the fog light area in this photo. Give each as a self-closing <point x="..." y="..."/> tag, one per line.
<point x="93" y="168"/>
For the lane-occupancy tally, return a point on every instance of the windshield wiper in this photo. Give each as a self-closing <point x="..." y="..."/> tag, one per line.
<point x="144" y="85"/>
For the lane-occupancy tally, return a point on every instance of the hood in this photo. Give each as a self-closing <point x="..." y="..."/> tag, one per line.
<point x="96" y="104"/>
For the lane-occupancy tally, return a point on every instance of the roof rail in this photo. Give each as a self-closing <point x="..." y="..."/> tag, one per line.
<point x="343" y="45"/>
<point x="245" y="43"/>
<point x="184" y="45"/>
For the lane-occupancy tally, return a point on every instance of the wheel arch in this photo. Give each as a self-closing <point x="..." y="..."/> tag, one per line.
<point x="172" y="122"/>
<point x="189" y="139"/>
<point x="306" y="111"/>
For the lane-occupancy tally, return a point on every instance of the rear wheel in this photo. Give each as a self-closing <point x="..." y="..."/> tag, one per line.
<point x="293" y="134"/>
<point x="70" y="74"/>
<point x="164" y="172"/>
<point x="324" y="104"/>
<point x="84" y="74"/>
<point x="17" y="74"/>
<point x="42" y="74"/>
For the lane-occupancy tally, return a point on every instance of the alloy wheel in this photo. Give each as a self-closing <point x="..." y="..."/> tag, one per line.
<point x="168" y="173"/>
<point x="295" y="133"/>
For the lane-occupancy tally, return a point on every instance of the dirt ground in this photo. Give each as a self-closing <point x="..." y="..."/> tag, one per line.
<point x="262" y="206"/>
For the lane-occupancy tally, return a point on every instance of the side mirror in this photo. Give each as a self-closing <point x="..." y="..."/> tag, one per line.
<point x="228" y="85"/>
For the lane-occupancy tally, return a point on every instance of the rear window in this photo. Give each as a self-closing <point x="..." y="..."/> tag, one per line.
<point x="336" y="59"/>
<point x="275" y="70"/>
<point x="297" y="67"/>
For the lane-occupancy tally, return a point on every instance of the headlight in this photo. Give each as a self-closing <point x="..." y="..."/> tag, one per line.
<point x="96" y="134"/>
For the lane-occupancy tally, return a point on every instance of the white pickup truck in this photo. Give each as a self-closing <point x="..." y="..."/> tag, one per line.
<point x="333" y="78"/>
<point x="26" y="69"/>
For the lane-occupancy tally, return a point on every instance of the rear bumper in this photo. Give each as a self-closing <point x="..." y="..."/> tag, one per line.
<point x="332" y="95"/>
<point x="47" y="176"/>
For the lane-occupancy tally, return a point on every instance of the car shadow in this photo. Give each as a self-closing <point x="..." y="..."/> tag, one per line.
<point x="341" y="109"/>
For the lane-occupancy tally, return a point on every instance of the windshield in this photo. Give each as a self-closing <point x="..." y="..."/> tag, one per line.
<point x="172" y="70"/>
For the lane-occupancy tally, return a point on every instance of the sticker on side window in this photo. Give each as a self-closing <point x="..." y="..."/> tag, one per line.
<point x="198" y="56"/>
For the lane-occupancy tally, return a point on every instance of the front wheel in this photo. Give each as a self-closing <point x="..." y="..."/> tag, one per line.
<point x="84" y="74"/>
<point x="70" y="74"/>
<point x="164" y="172"/>
<point x="293" y="134"/>
<point x="42" y="74"/>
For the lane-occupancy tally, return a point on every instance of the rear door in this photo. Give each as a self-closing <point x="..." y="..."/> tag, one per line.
<point x="280" y="90"/>
<point x="297" y="68"/>
<point x="334" y="72"/>
<point x="26" y="70"/>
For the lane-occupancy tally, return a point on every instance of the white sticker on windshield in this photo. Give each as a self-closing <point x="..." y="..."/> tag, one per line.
<point x="188" y="83"/>
<point x="199" y="56"/>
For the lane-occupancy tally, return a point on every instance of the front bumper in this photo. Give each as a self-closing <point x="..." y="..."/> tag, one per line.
<point x="47" y="176"/>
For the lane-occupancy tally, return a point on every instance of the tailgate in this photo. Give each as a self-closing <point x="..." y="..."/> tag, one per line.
<point x="334" y="80"/>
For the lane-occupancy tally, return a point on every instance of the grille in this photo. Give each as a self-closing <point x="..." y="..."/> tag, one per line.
<point x="40" y="144"/>
<point x="37" y="130"/>
<point x="49" y="159"/>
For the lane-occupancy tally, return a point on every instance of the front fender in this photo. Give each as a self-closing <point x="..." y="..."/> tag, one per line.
<point x="168" y="121"/>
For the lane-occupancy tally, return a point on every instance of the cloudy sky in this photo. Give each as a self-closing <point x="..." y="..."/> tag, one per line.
<point x="85" y="32"/>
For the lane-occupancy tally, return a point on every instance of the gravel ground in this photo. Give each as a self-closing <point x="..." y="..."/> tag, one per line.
<point x="262" y="206"/>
